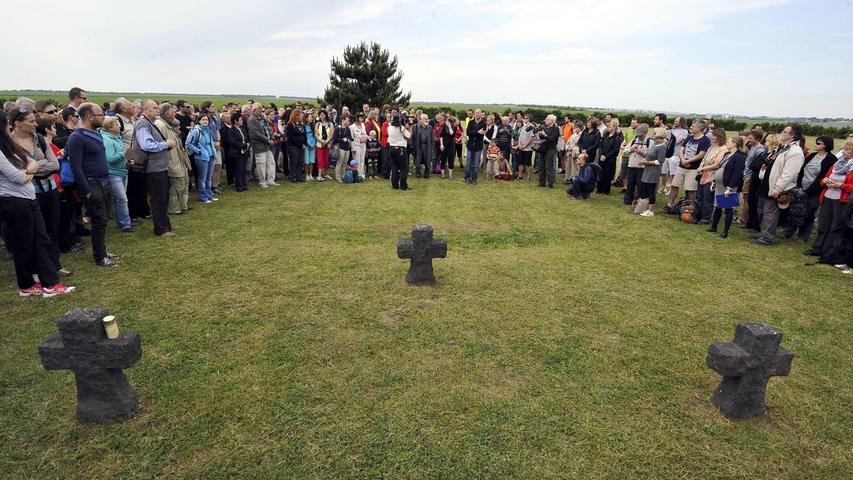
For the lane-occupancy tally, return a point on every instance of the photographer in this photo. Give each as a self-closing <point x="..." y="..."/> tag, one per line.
<point x="398" y="135"/>
<point x="547" y="151"/>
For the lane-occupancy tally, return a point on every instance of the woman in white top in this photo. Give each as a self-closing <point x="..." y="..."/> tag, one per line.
<point x="359" y="139"/>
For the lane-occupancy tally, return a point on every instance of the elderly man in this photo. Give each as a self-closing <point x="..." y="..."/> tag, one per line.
<point x="124" y="111"/>
<point x="154" y="143"/>
<point x="261" y="138"/>
<point x="547" y="154"/>
<point x="423" y="142"/>
<point x="179" y="161"/>
<point x="781" y="178"/>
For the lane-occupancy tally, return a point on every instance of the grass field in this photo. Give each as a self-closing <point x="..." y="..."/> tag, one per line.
<point x="563" y="340"/>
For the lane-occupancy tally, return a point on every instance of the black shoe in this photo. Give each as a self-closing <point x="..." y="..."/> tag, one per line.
<point x="724" y="235"/>
<point x="761" y="241"/>
<point x="810" y="253"/>
<point x="473" y="182"/>
<point x="106" y="263"/>
<point x="77" y="247"/>
<point x="127" y="230"/>
<point x="712" y="230"/>
<point x="542" y="185"/>
<point x="550" y="185"/>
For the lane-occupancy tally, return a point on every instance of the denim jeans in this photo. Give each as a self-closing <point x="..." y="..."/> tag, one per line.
<point x="472" y="167"/>
<point x="205" y="173"/>
<point x="119" y="185"/>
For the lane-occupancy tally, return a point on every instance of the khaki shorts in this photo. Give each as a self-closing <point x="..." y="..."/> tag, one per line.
<point x="685" y="178"/>
<point x="670" y="166"/>
<point x="218" y="157"/>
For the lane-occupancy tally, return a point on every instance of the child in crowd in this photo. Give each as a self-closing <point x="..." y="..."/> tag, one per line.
<point x="373" y="152"/>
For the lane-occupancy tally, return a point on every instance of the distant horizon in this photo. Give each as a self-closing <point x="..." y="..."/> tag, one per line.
<point x="847" y="120"/>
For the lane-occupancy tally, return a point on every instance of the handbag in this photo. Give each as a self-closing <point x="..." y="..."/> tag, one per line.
<point x="136" y="157"/>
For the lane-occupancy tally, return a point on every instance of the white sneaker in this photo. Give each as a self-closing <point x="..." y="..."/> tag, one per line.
<point x="272" y="184"/>
<point x="647" y="213"/>
<point x="310" y="178"/>
<point x="841" y="266"/>
<point x="847" y="271"/>
<point x="328" y="177"/>
<point x="320" y="179"/>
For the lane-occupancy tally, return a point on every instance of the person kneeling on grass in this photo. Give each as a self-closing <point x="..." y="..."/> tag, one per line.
<point x="584" y="182"/>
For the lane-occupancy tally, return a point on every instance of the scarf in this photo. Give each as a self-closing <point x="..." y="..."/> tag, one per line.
<point x="842" y="166"/>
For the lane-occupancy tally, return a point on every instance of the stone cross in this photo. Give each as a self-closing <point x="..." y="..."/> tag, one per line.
<point x="103" y="392"/>
<point x="746" y="366"/>
<point x="421" y="249"/>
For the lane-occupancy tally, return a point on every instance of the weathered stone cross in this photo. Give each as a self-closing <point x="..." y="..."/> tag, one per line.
<point x="746" y="366"/>
<point x="103" y="392"/>
<point x="421" y="249"/>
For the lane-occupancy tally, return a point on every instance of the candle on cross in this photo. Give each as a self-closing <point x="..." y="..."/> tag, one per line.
<point x="82" y="346"/>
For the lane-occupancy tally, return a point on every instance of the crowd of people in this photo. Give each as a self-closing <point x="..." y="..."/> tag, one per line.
<point x="66" y="170"/>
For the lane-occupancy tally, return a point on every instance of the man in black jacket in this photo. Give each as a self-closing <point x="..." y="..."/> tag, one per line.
<point x="475" y="131"/>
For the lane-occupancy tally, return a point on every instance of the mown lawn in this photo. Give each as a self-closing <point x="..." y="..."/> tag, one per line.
<point x="563" y="340"/>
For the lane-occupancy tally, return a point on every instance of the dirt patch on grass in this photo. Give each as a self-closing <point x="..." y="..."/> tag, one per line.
<point x="394" y="317"/>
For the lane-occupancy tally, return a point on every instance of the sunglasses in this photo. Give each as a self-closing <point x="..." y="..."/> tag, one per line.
<point x="818" y="143"/>
<point x="50" y="112"/>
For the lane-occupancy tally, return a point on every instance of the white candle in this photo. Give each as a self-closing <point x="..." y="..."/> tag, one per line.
<point x="111" y="326"/>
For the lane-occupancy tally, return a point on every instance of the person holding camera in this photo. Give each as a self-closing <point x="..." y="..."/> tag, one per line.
<point x="549" y="133"/>
<point x="398" y="140"/>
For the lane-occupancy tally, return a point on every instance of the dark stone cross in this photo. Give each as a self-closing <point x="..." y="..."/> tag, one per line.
<point x="103" y="392"/>
<point x="421" y="249"/>
<point x="746" y="366"/>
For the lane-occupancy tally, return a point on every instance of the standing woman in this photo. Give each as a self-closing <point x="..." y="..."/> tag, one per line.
<point x="117" y="167"/>
<point x="200" y="143"/>
<point x="343" y="139"/>
<point x="66" y="124"/>
<point x="236" y="150"/>
<point x="728" y="179"/>
<point x="359" y="140"/>
<point x="310" y="147"/>
<point x="590" y="138"/>
<point x="655" y="158"/>
<point x="837" y="187"/>
<point x="24" y="225"/>
<point x="295" y="134"/>
<point x="489" y="140"/>
<point x="710" y="164"/>
<point x="458" y="134"/>
<point x="323" y="131"/>
<point x="814" y="170"/>
<point x="44" y="180"/>
<point x="611" y="147"/>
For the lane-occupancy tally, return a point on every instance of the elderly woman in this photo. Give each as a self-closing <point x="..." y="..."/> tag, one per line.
<point x="117" y="167"/>
<point x="728" y="179"/>
<point x="834" y="198"/>
<point x="359" y="141"/>
<point x="710" y="164"/>
<point x="636" y="153"/>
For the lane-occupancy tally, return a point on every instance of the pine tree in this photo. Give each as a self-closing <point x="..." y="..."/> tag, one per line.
<point x="365" y="74"/>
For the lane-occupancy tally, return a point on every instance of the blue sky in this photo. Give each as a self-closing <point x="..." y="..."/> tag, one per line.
<point x="761" y="57"/>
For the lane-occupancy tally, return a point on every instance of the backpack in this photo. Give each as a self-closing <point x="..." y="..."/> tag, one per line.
<point x="670" y="144"/>
<point x="687" y="210"/>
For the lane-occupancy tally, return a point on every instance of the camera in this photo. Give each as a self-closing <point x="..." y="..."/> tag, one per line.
<point x="399" y="119"/>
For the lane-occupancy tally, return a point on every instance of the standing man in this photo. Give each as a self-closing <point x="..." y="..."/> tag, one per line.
<point x="782" y="178"/>
<point x="152" y="141"/>
<point x="691" y="153"/>
<point x="549" y="134"/>
<point x="398" y="140"/>
<point x="475" y="130"/>
<point x="179" y="162"/>
<point x="85" y="151"/>
<point x="76" y="97"/>
<point x="184" y="118"/>
<point x="423" y="142"/>
<point x="261" y="138"/>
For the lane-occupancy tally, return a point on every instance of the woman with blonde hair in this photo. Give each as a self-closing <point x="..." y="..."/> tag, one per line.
<point x="728" y="179"/>
<point x="710" y="164"/>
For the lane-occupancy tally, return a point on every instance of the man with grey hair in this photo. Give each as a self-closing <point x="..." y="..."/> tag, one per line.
<point x="261" y="139"/>
<point x="124" y="111"/>
<point x="179" y="161"/>
<point x="423" y="143"/>
<point x="691" y="153"/>
<point x="154" y="143"/>
<point x="549" y="134"/>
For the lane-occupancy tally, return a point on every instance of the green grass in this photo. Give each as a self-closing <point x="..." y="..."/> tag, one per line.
<point x="563" y="340"/>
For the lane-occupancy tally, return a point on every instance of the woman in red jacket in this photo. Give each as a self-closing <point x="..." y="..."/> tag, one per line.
<point x="837" y="186"/>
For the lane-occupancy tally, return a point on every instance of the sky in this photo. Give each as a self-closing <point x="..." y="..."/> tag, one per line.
<point x="746" y="57"/>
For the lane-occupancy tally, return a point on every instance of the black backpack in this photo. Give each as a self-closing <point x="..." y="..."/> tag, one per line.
<point x="670" y="144"/>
